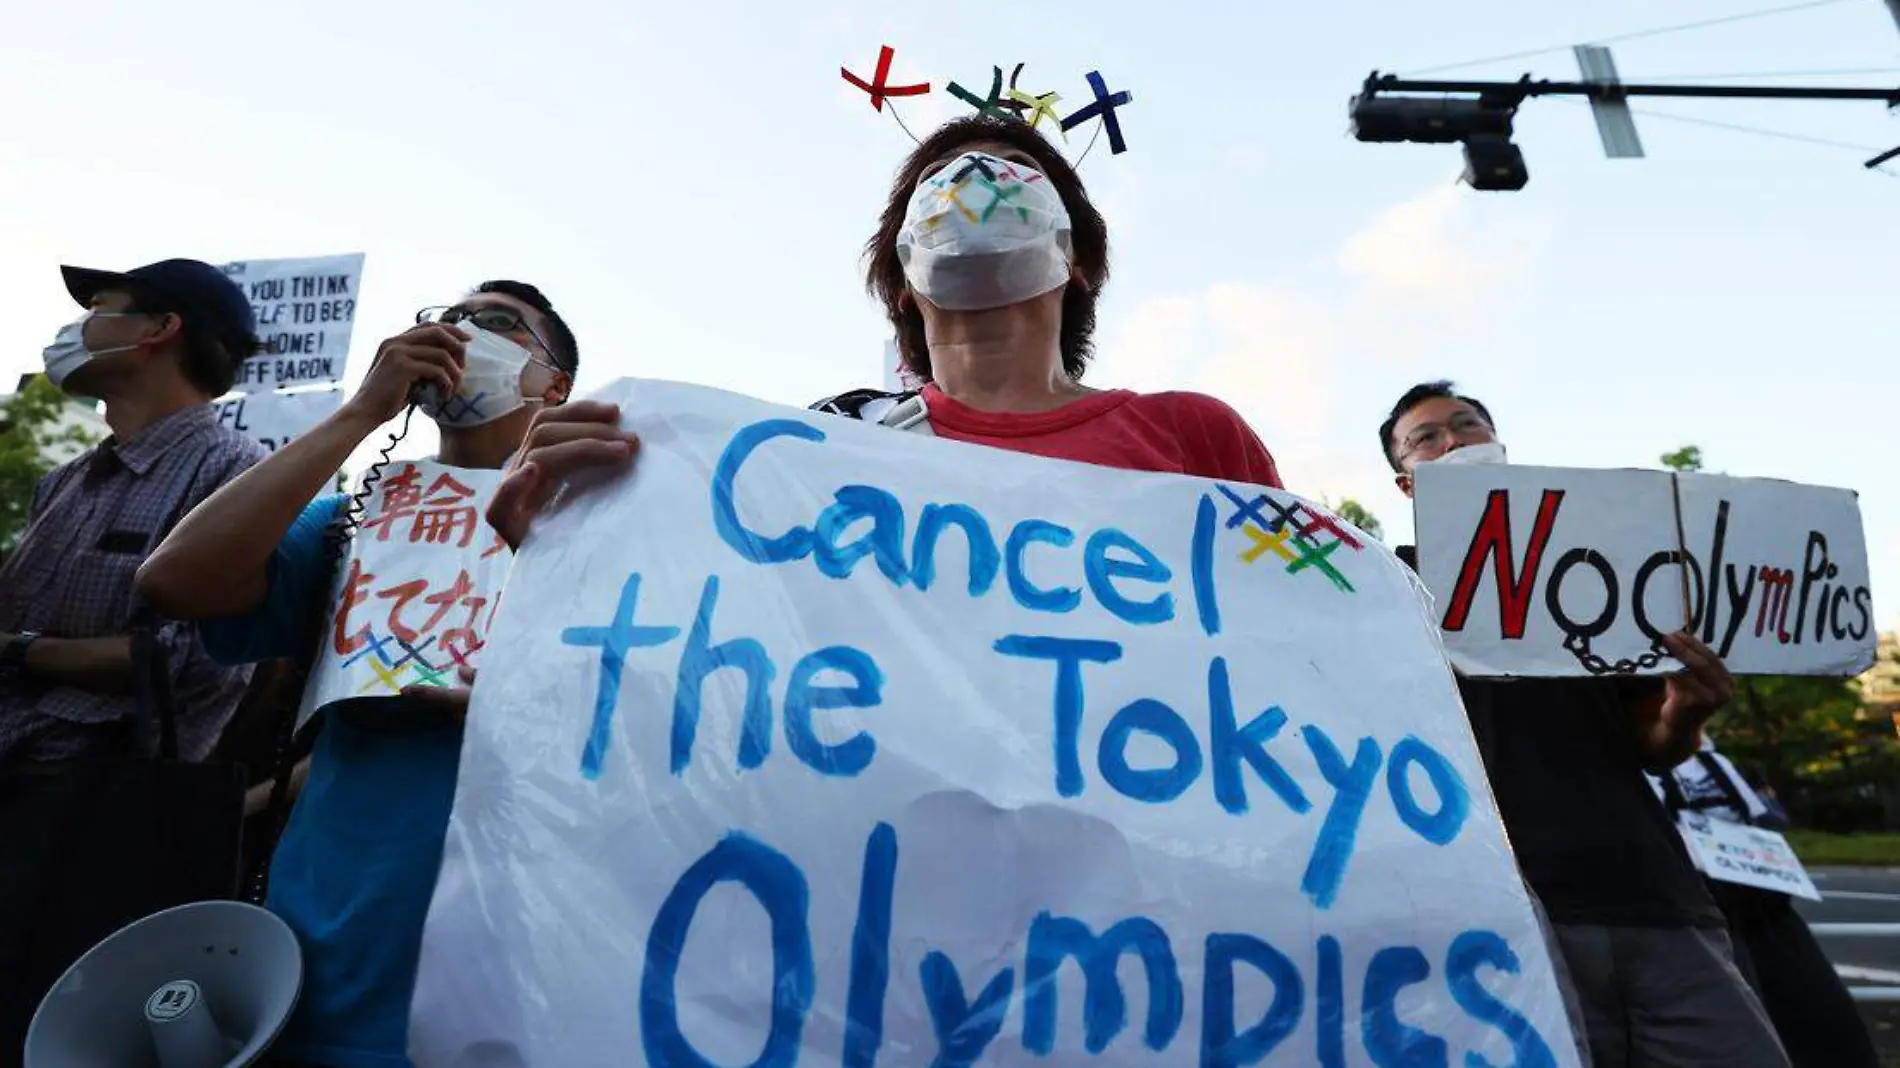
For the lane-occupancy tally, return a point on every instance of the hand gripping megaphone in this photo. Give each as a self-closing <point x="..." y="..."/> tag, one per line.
<point x="204" y="985"/>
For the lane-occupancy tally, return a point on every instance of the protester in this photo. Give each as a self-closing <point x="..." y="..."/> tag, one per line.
<point x="994" y="311"/>
<point x="1641" y="940"/>
<point x="1810" y="1006"/>
<point x="356" y="867"/>
<point x="155" y="344"/>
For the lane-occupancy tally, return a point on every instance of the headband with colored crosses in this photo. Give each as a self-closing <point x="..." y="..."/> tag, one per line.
<point x="1010" y="102"/>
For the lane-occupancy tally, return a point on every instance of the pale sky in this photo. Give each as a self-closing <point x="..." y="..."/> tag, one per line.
<point x="691" y="185"/>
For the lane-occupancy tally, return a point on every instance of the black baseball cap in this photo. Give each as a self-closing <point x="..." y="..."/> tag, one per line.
<point x="198" y="291"/>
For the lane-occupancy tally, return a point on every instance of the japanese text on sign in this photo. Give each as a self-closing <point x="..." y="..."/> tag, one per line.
<point x="418" y="590"/>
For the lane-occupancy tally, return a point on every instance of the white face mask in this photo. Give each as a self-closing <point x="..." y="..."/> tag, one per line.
<point x="492" y="372"/>
<point x="1491" y="452"/>
<point x="984" y="233"/>
<point x="68" y="352"/>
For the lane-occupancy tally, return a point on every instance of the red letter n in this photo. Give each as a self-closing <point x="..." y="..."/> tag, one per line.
<point x="1493" y="538"/>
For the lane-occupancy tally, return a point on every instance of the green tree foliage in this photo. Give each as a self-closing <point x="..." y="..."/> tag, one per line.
<point x="1360" y="516"/>
<point x="28" y="427"/>
<point x="1687" y="458"/>
<point x="1808" y="736"/>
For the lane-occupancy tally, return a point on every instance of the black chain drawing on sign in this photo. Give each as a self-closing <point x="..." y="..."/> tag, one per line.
<point x="1579" y="646"/>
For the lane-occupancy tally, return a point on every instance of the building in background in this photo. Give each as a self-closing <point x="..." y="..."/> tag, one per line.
<point x="1880" y="686"/>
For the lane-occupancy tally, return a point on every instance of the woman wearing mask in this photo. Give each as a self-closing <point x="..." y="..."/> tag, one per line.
<point x="989" y="260"/>
<point x="256" y="563"/>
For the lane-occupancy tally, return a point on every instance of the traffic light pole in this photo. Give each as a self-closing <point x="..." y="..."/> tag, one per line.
<point x="1479" y="114"/>
<point x="1524" y="88"/>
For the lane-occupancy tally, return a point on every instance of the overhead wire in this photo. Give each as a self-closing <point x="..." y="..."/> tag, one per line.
<point x="1635" y="35"/>
<point x="1756" y="130"/>
<point x="1835" y="72"/>
<point x="1736" y="127"/>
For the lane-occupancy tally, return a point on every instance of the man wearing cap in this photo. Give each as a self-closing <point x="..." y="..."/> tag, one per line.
<point x="156" y="344"/>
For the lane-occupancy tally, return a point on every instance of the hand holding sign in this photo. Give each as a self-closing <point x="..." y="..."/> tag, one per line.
<point x="452" y="698"/>
<point x="849" y="746"/>
<point x="1691" y="697"/>
<point x="562" y="442"/>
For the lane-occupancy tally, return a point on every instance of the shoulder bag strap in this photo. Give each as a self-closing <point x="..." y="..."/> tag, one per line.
<point x="1730" y="791"/>
<point x="154" y="700"/>
<point x="899" y="411"/>
<point x="910" y="414"/>
<point x="1673" y="798"/>
<point x="336" y="539"/>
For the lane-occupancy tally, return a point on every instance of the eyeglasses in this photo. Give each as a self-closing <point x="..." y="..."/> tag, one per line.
<point x="1464" y="424"/>
<point x="494" y="319"/>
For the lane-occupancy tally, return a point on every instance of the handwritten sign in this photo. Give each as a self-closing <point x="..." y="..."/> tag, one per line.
<point x="419" y="589"/>
<point x="305" y="311"/>
<point x="1744" y="855"/>
<point x="274" y="419"/>
<point x="817" y="743"/>
<point x="1544" y="571"/>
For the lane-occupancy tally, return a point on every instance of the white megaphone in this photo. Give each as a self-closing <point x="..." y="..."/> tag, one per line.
<point x="205" y="985"/>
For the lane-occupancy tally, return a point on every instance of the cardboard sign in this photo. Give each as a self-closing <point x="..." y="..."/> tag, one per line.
<point x="1543" y="571"/>
<point x="275" y="419"/>
<point x="1744" y="855"/>
<point x="306" y="309"/>
<point x="818" y="743"/>
<point x="419" y="589"/>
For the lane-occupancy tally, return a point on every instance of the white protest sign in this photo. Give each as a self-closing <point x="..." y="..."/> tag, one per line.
<point x="305" y="311"/>
<point x="1543" y="571"/>
<point x="275" y="419"/>
<point x="1786" y="570"/>
<point x="1744" y="855"/>
<point x="816" y="743"/>
<point x="418" y="591"/>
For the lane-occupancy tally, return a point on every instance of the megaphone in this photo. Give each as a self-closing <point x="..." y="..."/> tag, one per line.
<point x="204" y="985"/>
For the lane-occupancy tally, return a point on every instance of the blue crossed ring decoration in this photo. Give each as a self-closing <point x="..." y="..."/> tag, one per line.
<point x="1103" y="107"/>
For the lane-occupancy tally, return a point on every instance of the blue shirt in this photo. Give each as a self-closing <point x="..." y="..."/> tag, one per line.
<point x="356" y="867"/>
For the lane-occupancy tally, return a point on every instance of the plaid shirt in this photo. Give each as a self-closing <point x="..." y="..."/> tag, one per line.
<point x="92" y="524"/>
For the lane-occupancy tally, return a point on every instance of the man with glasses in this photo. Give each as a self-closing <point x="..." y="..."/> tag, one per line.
<point x="256" y="564"/>
<point x="1645" y="948"/>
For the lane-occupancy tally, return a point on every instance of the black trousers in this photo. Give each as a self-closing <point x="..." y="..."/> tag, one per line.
<point x="1809" y="1005"/>
<point x="90" y="848"/>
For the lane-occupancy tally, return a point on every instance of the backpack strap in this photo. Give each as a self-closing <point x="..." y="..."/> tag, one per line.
<point x="1731" y="792"/>
<point x="899" y="411"/>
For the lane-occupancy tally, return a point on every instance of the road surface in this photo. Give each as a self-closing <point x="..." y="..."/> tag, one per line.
<point x="1863" y="895"/>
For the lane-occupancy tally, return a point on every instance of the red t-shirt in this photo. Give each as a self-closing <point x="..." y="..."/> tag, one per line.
<point x="1184" y="433"/>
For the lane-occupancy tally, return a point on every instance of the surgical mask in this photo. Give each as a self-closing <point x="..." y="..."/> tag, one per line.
<point x="492" y="370"/>
<point x="1491" y="452"/>
<point x="985" y="233"/>
<point x="68" y="352"/>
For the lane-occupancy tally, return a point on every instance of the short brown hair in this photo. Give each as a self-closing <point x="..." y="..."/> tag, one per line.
<point x="884" y="274"/>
